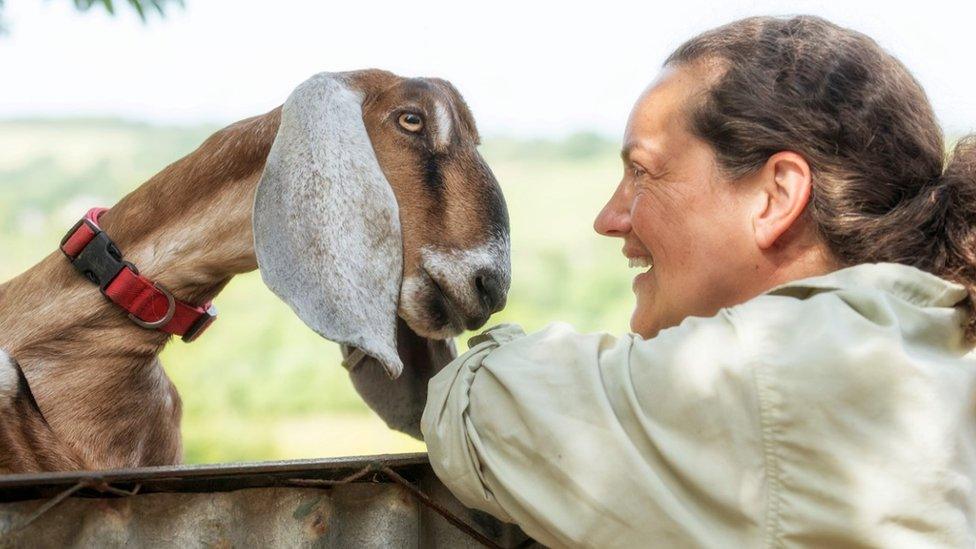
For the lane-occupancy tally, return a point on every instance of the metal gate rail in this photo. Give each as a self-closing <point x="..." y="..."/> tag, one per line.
<point x="409" y="471"/>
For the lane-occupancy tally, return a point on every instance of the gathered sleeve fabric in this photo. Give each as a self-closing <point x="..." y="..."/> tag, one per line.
<point x="596" y="441"/>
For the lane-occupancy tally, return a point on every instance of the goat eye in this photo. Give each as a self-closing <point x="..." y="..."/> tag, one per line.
<point x="411" y="122"/>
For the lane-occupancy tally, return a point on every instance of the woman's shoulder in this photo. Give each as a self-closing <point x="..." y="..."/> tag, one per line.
<point x="865" y="304"/>
<point x="856" y="338"/>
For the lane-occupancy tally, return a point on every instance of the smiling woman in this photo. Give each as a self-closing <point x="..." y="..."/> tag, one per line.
<point x="802" y="367"/>
<point x="675" y="210"/>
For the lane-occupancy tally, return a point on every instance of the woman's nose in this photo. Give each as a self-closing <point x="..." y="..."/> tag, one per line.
<point x="614" y="218"/>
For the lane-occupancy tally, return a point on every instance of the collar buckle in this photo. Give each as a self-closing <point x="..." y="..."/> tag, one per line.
<point x="100" y="261"/>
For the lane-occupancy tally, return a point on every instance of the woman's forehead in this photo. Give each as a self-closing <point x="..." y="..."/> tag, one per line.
<point x="663" y="102"/>
<point x="658" y="121"/>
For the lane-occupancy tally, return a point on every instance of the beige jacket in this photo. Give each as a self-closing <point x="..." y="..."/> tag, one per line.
<point x="837" y="411"/>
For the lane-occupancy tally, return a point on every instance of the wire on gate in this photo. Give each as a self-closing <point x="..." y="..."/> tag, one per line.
<point x="439" y="509"/>
<point x="95" y="483"/>
<point x="375" y="467"/>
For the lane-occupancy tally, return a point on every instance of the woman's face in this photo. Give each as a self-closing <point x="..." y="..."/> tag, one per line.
<point x="684" y="226"/>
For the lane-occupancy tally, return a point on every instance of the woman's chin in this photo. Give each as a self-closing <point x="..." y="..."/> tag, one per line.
<point x="645" y="320"/>
<point x="642" y="323"/>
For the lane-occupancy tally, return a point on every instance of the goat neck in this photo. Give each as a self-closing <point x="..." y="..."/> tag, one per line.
<point x="93" y="372"/>
<point x="189" y="227"/>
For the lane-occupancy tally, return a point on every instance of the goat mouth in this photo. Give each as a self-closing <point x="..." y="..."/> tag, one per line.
<point x="454" y="321"/>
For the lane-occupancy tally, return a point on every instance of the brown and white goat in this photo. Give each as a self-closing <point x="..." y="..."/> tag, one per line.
<point x="364" y="203"/>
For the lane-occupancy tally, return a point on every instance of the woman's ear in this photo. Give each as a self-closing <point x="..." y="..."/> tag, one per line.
<point x="784" y="191"/>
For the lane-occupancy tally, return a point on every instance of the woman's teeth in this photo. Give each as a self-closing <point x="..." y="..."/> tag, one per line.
<point x="641" y="262"/>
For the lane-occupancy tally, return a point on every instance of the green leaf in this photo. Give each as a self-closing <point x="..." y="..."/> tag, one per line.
<point x="139" y="9"/>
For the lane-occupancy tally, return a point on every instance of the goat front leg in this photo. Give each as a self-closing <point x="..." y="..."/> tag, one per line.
<point x="399" y="402"/>
<point x="27" y="442"/>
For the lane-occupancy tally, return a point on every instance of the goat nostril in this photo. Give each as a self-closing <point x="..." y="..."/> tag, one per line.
<point x="489" y="290"/>
<point x="483" y="293"/>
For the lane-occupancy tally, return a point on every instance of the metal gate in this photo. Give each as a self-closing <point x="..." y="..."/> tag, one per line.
<point x="377" y="501"/>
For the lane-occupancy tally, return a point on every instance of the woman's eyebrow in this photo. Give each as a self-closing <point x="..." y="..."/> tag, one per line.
<point x="627" y="150"/>
<point x="652" y="155"/>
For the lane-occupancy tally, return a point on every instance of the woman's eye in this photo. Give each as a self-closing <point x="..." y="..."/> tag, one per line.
<point x="638" y="172"/>
<point x="412" y="122"/>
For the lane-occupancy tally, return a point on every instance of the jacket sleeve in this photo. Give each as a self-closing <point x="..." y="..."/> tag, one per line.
<point x="591" y="440"/>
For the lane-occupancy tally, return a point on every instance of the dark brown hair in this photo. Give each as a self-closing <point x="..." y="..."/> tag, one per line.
<point x="883" y="189"/>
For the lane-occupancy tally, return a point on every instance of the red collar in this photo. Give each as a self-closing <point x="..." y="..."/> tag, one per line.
<point x="94" y="255"/>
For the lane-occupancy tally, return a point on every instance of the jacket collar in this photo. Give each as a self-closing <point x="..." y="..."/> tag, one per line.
<point x="911" y="284"/>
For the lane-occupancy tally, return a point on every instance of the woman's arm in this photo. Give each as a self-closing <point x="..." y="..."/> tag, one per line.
<point x="593" y="440"/>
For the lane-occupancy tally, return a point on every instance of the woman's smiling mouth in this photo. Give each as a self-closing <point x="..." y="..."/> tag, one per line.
<point x="641" y="262"/>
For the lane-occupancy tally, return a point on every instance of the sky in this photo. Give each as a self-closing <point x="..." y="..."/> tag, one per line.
<point x="526" y="68"/>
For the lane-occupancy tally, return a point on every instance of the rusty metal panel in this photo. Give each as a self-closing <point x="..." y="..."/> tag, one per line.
<point x="382" y="501"/>
<point x="360" y="515"/>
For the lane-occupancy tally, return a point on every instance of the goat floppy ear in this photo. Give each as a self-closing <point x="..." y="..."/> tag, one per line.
<point x="326" y="223"/>
<point x="400" y="402"/>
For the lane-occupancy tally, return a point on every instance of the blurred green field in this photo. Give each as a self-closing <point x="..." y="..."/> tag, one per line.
<point x="260" y="385"/>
